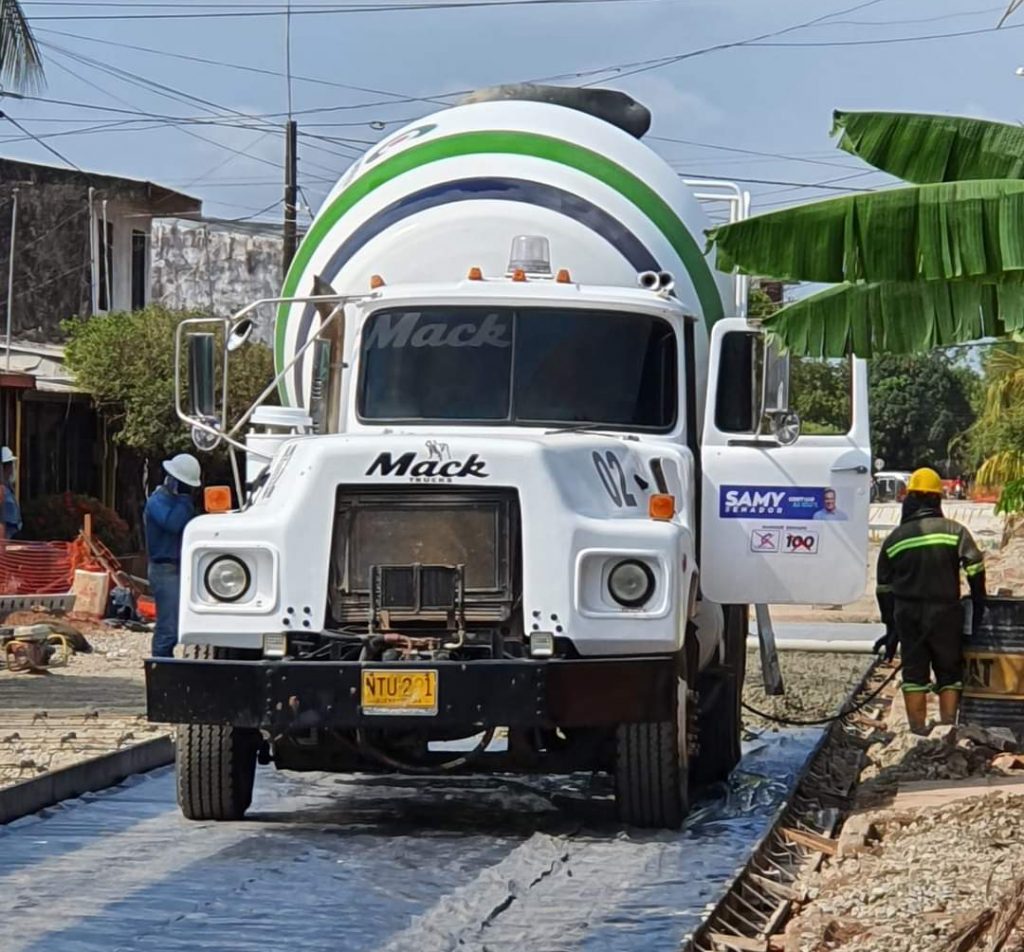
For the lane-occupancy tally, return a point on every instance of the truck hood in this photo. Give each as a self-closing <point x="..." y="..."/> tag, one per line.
<point x="590" y="474"/>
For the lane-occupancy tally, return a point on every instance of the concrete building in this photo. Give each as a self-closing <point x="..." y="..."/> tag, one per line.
<point x="217" y="266"/>
<point x="76" y="244"/>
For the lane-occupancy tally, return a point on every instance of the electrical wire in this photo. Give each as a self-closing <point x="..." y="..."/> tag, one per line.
<point x="845" y="712"/>
<point x="728" y="148"/>
<point x="416" y="5"/>
<point x="49" y="148"/>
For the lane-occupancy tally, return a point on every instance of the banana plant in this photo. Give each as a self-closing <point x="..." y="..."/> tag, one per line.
<point x="21" y="66"/>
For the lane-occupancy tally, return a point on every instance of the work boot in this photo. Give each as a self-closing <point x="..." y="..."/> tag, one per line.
<point x="916" y="703"/>
<point x="949" y="705"/>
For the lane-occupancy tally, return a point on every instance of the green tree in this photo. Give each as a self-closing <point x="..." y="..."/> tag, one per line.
<point x="920" y="406"/>
<point x="21" y="66"/>
<point x="126" y="362"/>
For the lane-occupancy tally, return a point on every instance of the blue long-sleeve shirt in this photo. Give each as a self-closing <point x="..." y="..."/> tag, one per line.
<point x="166" y="516"/>
<point x="11" y="511"/>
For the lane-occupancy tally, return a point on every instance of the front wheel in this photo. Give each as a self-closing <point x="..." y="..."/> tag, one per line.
<point x="215" y="764"/>
<point x="652" y="768"/>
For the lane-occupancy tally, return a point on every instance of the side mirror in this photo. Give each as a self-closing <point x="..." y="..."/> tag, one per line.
<point x="202" y="398"/>
<point x="240" y="333"/>
<point x="786" y="426"/>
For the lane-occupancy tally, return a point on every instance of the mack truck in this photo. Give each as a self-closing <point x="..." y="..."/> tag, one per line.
<point x="523" y="468"/>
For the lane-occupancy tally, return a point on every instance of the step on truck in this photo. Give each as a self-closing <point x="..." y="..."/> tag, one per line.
<point x="522" y="469"/>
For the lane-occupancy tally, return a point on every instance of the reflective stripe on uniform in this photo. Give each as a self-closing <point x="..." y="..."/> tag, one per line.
<point x="955" y="686"/>
<point x="882" y="589"/>
<point x="919" y="542"/>
<point x="909" y="688"/>
<point x="976" y="569"/>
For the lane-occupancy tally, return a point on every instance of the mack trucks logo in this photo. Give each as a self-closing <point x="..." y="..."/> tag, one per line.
<point x="436" y="466"/>
<point x="409" y="331"/>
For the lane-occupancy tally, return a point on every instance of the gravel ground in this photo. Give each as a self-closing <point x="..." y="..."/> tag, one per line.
<point x="816" y="684"/>
<point x="92" y="706"/>
<point x="926" y="875"/>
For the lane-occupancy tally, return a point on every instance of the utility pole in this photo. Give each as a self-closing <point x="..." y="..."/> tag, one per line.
<point x="291" y="185"/>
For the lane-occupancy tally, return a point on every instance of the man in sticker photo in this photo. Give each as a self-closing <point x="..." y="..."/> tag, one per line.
<point x="830" y="511"/>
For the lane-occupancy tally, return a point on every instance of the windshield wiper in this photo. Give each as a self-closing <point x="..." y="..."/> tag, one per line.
<point x="577" y="428"/>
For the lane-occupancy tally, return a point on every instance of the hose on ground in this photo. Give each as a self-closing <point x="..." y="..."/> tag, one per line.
<point x="845" y="712"/>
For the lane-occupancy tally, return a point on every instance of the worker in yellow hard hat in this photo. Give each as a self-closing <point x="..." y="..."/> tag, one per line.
<point x="919" y="597"/>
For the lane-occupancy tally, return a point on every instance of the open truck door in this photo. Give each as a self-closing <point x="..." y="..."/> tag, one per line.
<point x="785" y="514"/>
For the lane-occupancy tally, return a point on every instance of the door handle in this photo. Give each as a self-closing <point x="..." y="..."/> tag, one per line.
<point x="862" y="469"/>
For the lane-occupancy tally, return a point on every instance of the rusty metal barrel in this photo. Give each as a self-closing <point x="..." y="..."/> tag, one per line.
<point x="993" y="693"/>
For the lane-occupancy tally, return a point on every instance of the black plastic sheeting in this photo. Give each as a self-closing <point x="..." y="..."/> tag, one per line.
<point x="339" y="863"/>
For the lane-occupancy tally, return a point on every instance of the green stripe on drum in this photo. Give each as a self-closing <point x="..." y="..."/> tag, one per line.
<point x="583" y="160"/>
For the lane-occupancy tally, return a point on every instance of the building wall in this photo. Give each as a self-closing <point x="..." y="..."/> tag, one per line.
<point x="214" y="267"/>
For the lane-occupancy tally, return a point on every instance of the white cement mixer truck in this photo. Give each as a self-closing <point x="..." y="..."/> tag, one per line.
<point x="525" y="468"/>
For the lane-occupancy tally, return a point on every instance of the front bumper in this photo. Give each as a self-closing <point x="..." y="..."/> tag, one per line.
<point x="296" y="696"/>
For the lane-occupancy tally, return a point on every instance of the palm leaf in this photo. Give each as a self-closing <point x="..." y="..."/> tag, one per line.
<point x="952" y="230"/>
<point x="1002" y="468"/>
<point x="925" y="148"/>
<point x="896" y="318"/>
<point x="21" y="66"/>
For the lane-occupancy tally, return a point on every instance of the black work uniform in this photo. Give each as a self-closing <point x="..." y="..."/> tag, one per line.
<point x="919" y="570"/>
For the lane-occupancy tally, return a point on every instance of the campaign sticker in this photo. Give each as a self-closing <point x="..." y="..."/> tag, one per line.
<point x="780" y="502"/>
<point x="765" y="541"/>
<point x="800" y="541"/>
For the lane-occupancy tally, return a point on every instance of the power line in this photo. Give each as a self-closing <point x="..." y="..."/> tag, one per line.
<point x="49" y="148"/>
<point x="759" y="181"/>
<point x="885" y="41"/>
<point x="330" y="11"/>
<point x="774" y="155"/>
<point x="399" y="98"/>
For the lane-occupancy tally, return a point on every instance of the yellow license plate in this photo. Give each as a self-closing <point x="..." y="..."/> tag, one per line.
<point x="399" y="691"/>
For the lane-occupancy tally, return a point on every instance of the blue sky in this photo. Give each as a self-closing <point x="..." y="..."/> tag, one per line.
<point x="757" y="97"/>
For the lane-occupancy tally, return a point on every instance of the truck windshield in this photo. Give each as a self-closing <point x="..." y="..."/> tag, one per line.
<point x="530" y="366"/>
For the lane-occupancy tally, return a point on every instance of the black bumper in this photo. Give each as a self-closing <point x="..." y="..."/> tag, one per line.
<point x="293" y="696"/>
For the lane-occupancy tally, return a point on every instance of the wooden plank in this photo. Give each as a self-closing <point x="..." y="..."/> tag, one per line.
<point x="811" y="841"/>
<point x="738" y="943"/>
<point x="918" y="794"/>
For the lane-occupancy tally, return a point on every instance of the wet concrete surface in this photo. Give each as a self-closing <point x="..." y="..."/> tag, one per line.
<point x="342" y="863"/>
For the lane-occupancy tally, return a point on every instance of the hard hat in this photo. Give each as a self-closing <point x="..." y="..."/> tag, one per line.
<point x="6" y="456"/>
<point x="185" y="468"/>
<point x="925" y="481"/>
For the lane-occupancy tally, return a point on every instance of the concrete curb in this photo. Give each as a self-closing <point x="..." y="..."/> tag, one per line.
<point x="43" y="791"/>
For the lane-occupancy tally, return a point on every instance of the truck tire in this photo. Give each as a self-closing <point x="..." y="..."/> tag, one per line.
<point x="215" y="766"/>
<point x="719" y="713"/>
<point x="652" y="770"/>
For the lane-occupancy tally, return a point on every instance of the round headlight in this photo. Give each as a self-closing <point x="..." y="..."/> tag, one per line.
<point x="227" y="579"/>
<point x="631" y="583"/>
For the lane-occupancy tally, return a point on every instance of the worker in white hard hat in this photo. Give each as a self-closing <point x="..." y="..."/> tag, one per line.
<point x="168" y="511"/>
<point x="11" y="510"/>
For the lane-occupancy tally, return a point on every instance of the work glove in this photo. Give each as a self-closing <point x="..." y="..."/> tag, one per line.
<point x="888" y="642"/>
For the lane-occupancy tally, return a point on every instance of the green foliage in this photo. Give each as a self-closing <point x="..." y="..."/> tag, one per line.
<point x="820" y="393"/>
<point x="903" y="317"/>
<point x="61" y="516"/>
<point x="920" y="405"/>
<point x="1012" y="499"/>
<point x="126" y="361"/>
<point x="948" y="231"/>
<point x="924" y="149"/>
<point x="996" y="441"/>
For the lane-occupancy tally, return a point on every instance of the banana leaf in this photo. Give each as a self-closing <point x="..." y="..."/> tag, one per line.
<point x="868" y="320"/>
<point x="948" y="231"/>
<point x="21" y="67"/>
<point x="925" y="149"/>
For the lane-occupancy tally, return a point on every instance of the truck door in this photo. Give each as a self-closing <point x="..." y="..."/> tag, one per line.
<point x="785" y="503"/>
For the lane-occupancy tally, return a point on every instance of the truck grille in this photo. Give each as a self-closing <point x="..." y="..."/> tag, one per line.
<point x="410" y="537"/>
